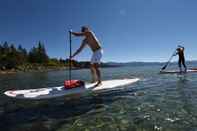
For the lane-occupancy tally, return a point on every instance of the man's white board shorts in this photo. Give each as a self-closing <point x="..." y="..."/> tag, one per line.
<point x="96" y="57"/>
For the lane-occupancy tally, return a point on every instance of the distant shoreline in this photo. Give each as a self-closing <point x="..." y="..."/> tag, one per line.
<point x="42" y="68"/>
<point x="78" y="66"/>
<point x="14" y="71"/>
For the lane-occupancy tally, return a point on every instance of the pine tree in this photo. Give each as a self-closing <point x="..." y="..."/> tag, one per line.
<point x="10" y="59"/>
<point x="42" y="56"/>
<point x="1" y="49"/>
<point x="5" y="48"/>
<point x="32" y="55"/>
<point x="1" y="55"/>
<point x="22" y="55"/>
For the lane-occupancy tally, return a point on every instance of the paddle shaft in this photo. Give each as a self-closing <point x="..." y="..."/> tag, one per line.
<point x="167" y="63"/>
<point x="70" y="46"/>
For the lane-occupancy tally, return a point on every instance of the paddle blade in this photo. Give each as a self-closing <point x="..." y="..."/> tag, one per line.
<point x="163" y="68"/>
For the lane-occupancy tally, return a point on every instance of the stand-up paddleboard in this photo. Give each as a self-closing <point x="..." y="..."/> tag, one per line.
<point x="46" y="93"/>
<point x="178" y="72"/>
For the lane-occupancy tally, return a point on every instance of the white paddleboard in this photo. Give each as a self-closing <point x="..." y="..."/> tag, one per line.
<point x="46" y="93"/>
<point x="177" y="71"/>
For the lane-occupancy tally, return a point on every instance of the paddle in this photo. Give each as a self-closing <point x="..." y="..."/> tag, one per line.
<point x="167" y="63"/>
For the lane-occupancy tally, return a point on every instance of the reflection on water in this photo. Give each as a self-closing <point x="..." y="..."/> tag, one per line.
<point x="157" y="102"/>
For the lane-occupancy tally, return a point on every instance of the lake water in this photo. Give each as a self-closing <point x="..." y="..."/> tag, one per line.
<point x="157" y="102"/>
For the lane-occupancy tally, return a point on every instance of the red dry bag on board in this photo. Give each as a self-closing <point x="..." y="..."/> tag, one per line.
<point x="69" y="84"/>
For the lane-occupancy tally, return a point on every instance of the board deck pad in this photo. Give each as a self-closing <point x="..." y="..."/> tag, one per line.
<point x="52" y="92"/>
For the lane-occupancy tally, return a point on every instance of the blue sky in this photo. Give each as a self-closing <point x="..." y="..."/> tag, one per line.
<point x="129" y="30"/>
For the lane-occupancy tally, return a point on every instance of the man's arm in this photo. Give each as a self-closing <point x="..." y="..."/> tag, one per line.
<point x="176" y="53"/>
<point x="80" y="49"/>
<point x="78" y="33"/>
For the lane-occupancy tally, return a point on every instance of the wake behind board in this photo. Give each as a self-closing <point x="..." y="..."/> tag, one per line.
<point x="52" y="92"/>
<point x="178" y="72"/>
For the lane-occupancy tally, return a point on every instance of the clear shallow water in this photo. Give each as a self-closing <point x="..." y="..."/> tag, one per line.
<point x="157" y="102"/>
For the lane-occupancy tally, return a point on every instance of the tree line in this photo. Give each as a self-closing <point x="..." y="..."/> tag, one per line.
<point x="12" y="57"/>
<point x="18" y="58"/>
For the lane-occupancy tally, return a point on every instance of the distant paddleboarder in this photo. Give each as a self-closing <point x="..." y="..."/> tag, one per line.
<point x="180" y="53"/>
<point x="91" y="40"/>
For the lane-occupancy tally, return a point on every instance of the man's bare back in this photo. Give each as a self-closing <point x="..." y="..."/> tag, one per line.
<point x="92" y="41"/>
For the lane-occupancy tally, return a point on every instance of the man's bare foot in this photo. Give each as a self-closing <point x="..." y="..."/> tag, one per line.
<point x="98" y="83"/>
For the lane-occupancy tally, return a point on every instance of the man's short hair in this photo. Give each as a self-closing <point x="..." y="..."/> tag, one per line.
<point x="83" y="28"/>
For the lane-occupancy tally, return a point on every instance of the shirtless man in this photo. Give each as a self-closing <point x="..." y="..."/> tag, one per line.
<point x="180" y="53"/>
<point x="91" y="40"/>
